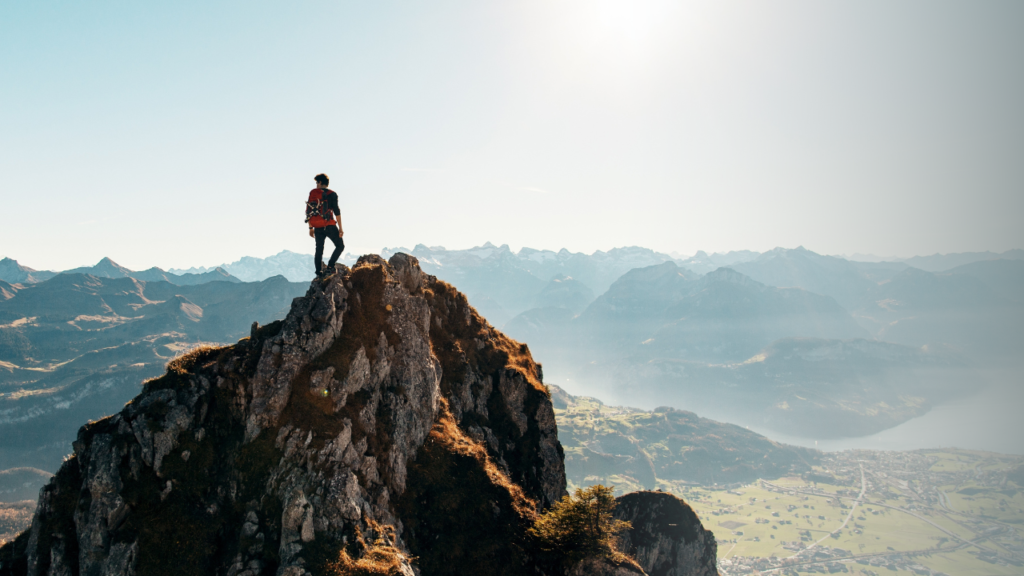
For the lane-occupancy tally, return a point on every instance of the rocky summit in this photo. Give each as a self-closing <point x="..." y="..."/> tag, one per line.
<point x="666" y="538"/>
<point x="382" y="427"/>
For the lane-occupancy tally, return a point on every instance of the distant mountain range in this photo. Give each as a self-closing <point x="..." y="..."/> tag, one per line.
<point x="757" y="341"/>
<point x="789" y="339"/>
<point x="293" y="266"/>
<point x="733" y="348"/>
<point x="77" y="346"/>
<point x="722" y="316"/>
<point x="13" y="273"/>
<point x="841" y="279"/>
<point x="943" y="262"/>
<point x="502" y="284"/>
<point x="702" y="262"/>
<point x="597" y="270"/>
<point x="975" y="308"/>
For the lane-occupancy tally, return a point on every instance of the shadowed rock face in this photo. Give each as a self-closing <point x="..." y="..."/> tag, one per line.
<point x="605" y="567"/>
<point x="382" y="399"/>
<point x="667" y="538"/>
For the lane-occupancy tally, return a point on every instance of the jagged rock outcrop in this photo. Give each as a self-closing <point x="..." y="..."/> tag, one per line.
<point x="666" y="538"/>
<point x="382" y="399"/>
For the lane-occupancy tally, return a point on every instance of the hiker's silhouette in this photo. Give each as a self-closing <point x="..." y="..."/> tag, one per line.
<point x="324" y="219"/>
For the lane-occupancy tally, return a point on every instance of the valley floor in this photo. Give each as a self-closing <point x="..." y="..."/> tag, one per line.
<point x="865" y="512"/>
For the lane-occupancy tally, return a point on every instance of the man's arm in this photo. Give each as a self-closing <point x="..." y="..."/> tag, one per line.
<point x="333" y="204"/>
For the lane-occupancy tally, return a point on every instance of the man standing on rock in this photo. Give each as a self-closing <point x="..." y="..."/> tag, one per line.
<point x="324" y="219"/>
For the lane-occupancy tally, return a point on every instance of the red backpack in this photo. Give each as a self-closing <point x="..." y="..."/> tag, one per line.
<point x="318" y="212"/>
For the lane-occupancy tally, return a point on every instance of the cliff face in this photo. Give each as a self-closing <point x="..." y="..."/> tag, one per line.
<point x="382" y="399"/>
<point x="667" y="538"/>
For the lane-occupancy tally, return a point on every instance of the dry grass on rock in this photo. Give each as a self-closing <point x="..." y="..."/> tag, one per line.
<point x="462" y="338"/>
<point x="379" y="558"/>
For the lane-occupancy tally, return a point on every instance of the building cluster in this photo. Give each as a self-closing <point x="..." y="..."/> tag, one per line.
<point x="823" y="560"/>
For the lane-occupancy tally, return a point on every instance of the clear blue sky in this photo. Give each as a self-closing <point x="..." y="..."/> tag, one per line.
<point x="187" y="133"/>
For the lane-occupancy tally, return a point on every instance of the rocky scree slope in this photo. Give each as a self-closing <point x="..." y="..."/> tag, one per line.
<point x="381" y="400"/>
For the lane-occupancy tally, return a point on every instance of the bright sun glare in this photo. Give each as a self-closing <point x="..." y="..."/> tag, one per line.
<point x="629" y="21"/>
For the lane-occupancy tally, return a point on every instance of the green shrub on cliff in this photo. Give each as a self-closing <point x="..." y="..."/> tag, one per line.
<point x="581" y="526"/>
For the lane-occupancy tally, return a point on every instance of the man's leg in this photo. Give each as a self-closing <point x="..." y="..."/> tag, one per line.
<point x="318" y="257"/>
<point x="339" y="246"/>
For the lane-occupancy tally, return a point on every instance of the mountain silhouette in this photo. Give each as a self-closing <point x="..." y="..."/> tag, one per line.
<point x="14" y="273"/>
<point x="107" y="268"/>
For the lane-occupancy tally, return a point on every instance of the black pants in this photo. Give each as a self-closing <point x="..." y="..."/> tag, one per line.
<point x="339" y="245"/>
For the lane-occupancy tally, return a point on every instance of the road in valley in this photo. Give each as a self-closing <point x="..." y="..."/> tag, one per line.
<point x="863" y="488"/>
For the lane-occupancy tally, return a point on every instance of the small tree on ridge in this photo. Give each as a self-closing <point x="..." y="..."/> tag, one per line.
<point x="581" y="526"/>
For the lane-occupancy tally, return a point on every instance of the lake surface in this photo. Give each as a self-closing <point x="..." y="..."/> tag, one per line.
<point x="992" y="420"/>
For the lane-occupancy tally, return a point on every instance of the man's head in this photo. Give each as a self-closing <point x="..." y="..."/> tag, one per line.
<point x="321" y="180"/>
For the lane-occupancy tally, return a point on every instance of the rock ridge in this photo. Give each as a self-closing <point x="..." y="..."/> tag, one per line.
<point x="382" y="400"/>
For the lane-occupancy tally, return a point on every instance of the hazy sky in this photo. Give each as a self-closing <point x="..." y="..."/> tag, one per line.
<point x="188" y="133"/>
